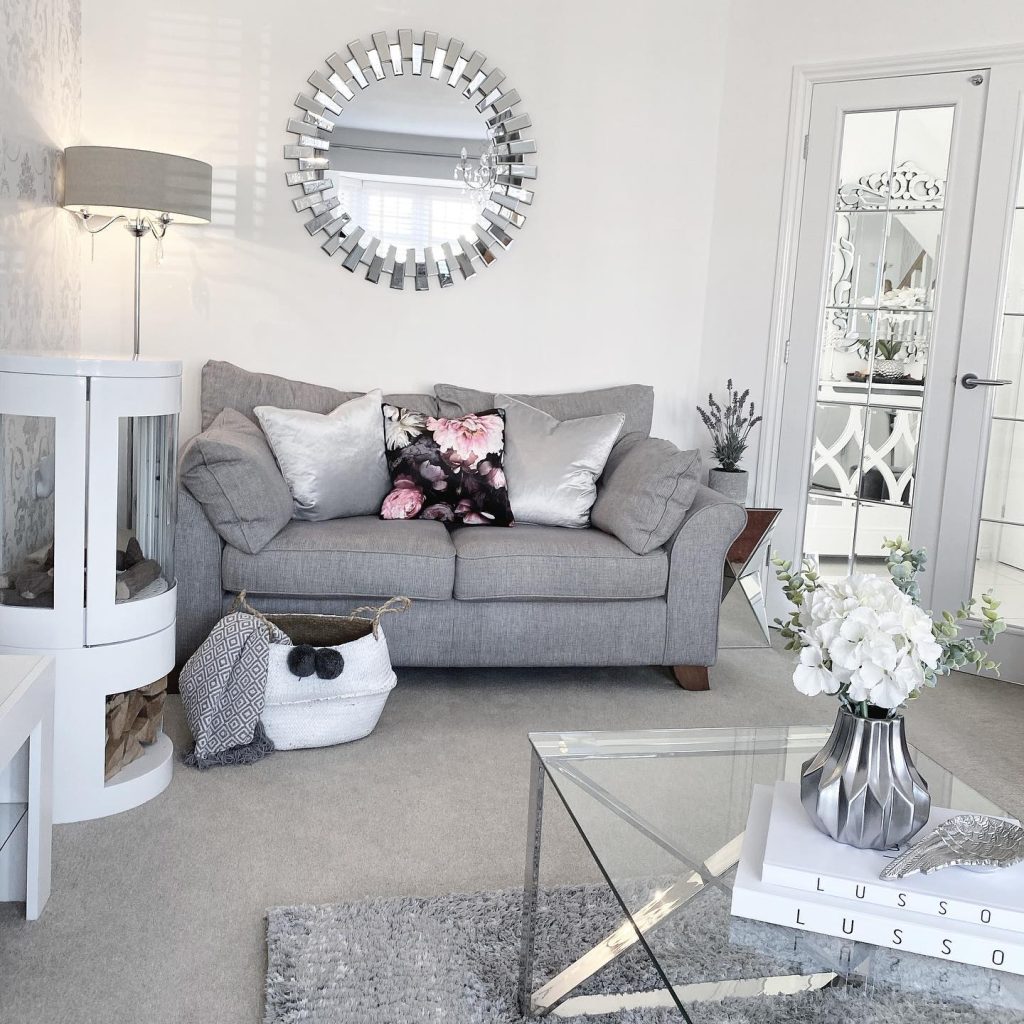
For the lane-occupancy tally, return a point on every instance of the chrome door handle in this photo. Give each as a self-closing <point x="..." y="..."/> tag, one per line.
<point x="972" y="381"/>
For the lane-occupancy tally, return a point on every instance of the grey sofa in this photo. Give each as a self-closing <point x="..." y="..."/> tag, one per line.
<point x="528" y="596"/>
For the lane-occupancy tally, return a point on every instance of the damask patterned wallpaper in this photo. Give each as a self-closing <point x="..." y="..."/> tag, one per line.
<point x="40" y="295"/>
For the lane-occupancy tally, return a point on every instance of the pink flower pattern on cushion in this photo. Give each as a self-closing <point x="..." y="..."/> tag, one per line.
<point x="469" y="438"/>
<point x="447" y="470"/>
<point x="404" y="502"/>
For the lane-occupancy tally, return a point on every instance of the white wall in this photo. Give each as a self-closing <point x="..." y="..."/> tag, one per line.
<point x="765" y="41"/>
<point x="40" y="61"/>
<point x="605" y="285"/>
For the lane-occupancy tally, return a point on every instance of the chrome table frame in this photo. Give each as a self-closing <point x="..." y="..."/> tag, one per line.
<point x="636" y="925"/>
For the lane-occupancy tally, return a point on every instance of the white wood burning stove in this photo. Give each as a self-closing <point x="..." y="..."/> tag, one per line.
<point x="87" y="509"/>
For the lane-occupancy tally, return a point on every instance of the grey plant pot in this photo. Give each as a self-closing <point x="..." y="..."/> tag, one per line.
<point x="732" y="484"/>
<point x="862" y="787"/>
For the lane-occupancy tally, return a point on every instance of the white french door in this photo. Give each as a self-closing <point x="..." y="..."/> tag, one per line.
<point x="909" y="275"/>
<point x="981" y="541"/>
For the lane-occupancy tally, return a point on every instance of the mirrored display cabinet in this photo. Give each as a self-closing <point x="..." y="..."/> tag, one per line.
<point x="87" y="510"/>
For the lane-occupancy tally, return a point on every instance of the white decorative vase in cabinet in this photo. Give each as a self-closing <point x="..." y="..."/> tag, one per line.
<point x="89" y="457"/>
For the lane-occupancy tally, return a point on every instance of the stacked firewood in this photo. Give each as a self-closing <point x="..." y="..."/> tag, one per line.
<point x="134" y="720"/>
<point x="135" y="571"/>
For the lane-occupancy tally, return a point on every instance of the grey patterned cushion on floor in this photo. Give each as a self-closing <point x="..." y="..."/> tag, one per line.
<point x="223" y="684"/>
<point x="646" y="490"/>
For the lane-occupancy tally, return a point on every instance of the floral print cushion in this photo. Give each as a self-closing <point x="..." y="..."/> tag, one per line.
<point x="446" y="469"/>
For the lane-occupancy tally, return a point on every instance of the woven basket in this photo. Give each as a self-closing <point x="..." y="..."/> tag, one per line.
<point x="315" y="712"/>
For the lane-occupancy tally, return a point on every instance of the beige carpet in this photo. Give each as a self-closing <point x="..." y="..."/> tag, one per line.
<point x="157" y="915"/>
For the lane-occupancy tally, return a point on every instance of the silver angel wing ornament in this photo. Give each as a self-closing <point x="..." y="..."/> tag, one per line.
<point x="965" y="840"/>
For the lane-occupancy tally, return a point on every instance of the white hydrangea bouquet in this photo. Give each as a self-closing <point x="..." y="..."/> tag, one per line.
<point x="866" y="640"/>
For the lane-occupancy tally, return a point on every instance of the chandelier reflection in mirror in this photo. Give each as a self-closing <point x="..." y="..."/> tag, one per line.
<point x="478" y="178"/>
<point x="411" y="159"/>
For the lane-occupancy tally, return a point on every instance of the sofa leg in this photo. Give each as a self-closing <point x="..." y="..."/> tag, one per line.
<point x="692" y="677"/>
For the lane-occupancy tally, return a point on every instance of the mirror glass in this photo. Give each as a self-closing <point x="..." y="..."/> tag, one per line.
<point x="393" y="156"/>
<point x="413" y="160"/>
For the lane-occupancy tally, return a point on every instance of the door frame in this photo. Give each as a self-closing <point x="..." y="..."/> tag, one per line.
<point x="805" y="77"/>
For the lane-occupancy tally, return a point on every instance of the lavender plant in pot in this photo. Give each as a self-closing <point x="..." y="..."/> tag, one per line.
<point x="866" y="641"/>
<point x="729" y="426"/>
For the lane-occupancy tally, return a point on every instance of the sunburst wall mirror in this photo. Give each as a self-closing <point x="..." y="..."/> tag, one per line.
<point x="412" y="158"/>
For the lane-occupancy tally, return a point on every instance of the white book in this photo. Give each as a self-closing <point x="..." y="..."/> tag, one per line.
<point x="800" y="857"/>
<point x="892" y="928"/>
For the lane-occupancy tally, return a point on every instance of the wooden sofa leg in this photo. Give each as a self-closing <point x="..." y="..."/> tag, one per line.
<point x="692" y="677"/>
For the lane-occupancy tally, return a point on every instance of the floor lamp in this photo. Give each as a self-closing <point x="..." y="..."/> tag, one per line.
<point x="147" y="191"/>
<point x="105" y="185"/>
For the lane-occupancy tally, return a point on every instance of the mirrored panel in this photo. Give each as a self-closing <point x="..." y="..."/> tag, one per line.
<point x="890" y="455"/>
<point x="876" y="336"/>
<point x="413" y="160"/>
<point x="838" y="447"/>
<point x="829" y="532"/>
<point x="868" y="140"/>
<point x="875" y="523"/>
<point x="999" y="562"/>
<point x="1000" y="568"/>
<point x="1015" y="270"/>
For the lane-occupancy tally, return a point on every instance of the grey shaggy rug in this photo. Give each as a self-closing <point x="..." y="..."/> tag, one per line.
<point x="455" y="959"/>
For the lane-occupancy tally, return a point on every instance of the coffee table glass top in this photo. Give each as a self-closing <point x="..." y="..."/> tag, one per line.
<point x="663" y="813"/>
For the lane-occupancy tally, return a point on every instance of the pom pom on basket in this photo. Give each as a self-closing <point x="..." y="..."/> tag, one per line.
<point x="343" y="697"/>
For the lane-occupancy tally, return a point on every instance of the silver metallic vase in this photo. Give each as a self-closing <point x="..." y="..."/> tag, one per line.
<point x="862" y="788"/>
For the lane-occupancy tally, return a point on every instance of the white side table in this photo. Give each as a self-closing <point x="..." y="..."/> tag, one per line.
<point x="26" y="779"/>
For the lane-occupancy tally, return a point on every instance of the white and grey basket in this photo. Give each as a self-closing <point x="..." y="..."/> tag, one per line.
<point x="314" y="712"/>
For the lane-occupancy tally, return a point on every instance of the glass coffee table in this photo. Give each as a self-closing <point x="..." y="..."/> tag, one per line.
<point x="662" y="813"/>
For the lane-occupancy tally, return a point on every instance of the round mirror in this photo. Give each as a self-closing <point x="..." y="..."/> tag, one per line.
<point x="411" y="159"/>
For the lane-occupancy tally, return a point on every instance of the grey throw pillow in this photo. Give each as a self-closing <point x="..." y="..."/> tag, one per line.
<point x="226" y="386"/>
<point x="333" y="464"/>
<point x="634" y="401"/>
<point x="551" y="465"/>
<point x="647" y="488"/>
<point x="231" y="472"/>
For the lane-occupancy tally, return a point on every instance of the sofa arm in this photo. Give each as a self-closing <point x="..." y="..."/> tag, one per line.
<point x="197" y="554"/>
<point x="696" y="561"/>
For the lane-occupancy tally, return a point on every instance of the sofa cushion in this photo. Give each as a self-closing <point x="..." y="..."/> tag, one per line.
<point x="226" y="386"/>
<point x="646" y="491"/>
<point x="334" y="464"/>
<point x="231" y="472"/>
<point x="553" y="465"/>
<point x="447" y="470"/>
<point x="551" y="562"/>
<point x="634" y="401"/>
<point x="358" y="557"/>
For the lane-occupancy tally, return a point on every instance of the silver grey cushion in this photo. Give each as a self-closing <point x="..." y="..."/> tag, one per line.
<point x="634" y="401"/>
<point x="646" y="491"/>
<point x="334" y="465"/>
<point x="226" y="386"/>
<point x="359" y="557"/>
<point x="552" y="563"/>
<point x="231" y="472"/>
<point x="552" y="465"/>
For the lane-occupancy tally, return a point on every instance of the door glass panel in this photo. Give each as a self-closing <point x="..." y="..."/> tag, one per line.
<point x="1000" y="568"/>
<point x="999" y="565"/>
<point x="886" y="236"/>
<point x="146" y="506"/>
<point x="27" y="510"/>
<point x="831" y="522"/>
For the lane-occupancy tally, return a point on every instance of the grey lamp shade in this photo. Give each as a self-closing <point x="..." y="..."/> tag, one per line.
<point x="109" y="180"/>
